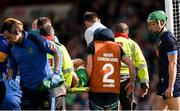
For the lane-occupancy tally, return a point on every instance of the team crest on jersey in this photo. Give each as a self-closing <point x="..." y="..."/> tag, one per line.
<point x="30" y="50"/>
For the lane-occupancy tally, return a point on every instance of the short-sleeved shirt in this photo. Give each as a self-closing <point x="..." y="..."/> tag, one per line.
<point x="31" y="58"/>
<point x="90" y="31"/>
<point x="167" y="44"/>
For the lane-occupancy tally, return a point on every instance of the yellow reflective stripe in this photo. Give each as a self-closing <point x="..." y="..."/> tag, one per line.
<point x="3" y="56"/>
<point x="140" y="66"/>
<point x="68" y="70"/>
<point x="144" y="81"/>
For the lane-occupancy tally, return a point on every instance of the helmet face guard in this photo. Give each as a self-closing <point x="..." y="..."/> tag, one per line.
<point x="154" y="30"/>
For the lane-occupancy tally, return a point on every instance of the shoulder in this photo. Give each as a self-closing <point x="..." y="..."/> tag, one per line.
<point x="36" y="38"/>
<point x="134" y="43"/>
<point x="99" y="25"/>
<point x="167" y="36"/>
<point x="3" y="44"/>
<point x="3" y="41"/>
<point x="34" y="35"/>
<point x="95" y="26"/>
<point x="62" y="47"/>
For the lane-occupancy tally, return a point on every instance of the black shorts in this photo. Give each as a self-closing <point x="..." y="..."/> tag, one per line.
<point x="103" y="101"/>
<point x="162" y="88"/>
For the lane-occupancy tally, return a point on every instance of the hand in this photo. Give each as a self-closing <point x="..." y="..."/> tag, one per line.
<point x="45" y="85"/>
<point x="17" y="79"/>
<point x="169" y="92"/>
<point x="143" y="91"/>
<point x="130" y="87"/>
<point x="75" y="80"/>
<point x="55" y="79"/>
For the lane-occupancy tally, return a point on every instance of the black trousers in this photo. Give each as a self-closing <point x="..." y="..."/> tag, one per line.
<point x="35" y="100"/>
<point x="125" y="98"/>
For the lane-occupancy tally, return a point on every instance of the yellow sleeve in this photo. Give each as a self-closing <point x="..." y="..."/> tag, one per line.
<point x="67" y="66"/>
<point x="140" y="63"/>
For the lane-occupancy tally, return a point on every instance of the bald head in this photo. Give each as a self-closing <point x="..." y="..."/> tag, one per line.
<point x="34" y="25"/>
<point x="122" y="27"/>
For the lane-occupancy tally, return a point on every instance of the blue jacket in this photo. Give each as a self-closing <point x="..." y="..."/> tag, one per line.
<point x="31" y="58"/>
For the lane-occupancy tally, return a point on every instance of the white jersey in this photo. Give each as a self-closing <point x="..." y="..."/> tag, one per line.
<point x="90" y="31"/>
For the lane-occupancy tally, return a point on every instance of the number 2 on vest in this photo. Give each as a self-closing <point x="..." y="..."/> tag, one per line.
<point x="105" y="78"/>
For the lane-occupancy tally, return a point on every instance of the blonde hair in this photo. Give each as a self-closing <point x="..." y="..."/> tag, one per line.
<point x="18" y="23"/>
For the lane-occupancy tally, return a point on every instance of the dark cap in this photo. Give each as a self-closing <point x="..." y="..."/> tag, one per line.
<point x="103" y="34"/>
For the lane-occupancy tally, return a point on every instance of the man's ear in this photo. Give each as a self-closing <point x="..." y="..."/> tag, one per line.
<point x="87" y="24"/>
<point x="98" y="19"/>
<point x="162" y="23"/>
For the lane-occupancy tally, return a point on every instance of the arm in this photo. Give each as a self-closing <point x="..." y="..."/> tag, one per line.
<point x="48" y="47"/>
<point x="71" y="79"/>
<point x="42" y="43"/>
<point x="130" y="65"/>
<point x="170" y="45"/>
<point x="88" y="36"/>
<point x="172" y="74"/>
<point x="77" y="63"/>
<point x="55" y="50"/>
<point x="89" y="65"/>
<point x="75" y="80"/>
<point x="12" y="67"/>
<point x="130" y="86"/>
<point x="140" y="63"/>
<point x="58" y="60"/>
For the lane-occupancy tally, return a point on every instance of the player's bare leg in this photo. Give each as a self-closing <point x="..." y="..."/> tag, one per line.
<point x="173" y="103"/>
<point x="158" y="103"/>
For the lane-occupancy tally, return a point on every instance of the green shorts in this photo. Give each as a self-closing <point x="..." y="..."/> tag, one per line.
<point x="83" y="77"/>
